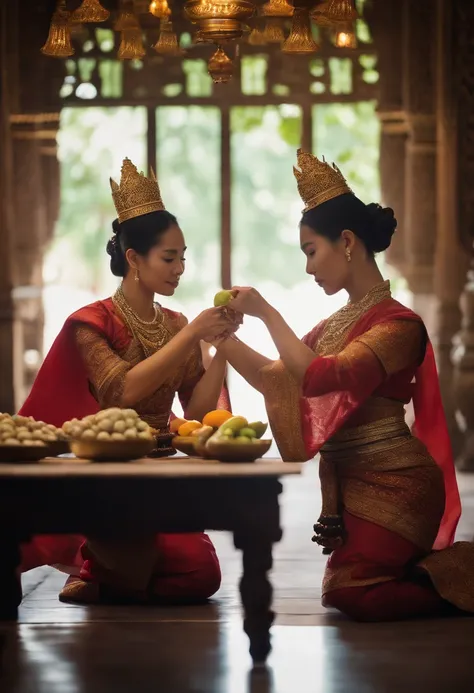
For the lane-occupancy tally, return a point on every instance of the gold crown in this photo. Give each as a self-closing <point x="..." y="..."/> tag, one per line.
<point x="317" y="180"/>
<point x="136" y="194"/>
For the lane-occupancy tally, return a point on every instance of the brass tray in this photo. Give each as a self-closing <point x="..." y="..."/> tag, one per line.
<point x="112" y="450"/>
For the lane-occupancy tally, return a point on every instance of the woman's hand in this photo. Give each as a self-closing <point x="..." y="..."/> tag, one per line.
<point x="249" y="302"/>
<point x="209" y="324"/>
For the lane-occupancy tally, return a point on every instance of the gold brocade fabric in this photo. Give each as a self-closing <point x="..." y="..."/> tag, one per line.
<point x="282" y="401"/>
<point x="337" y="327"/>
<point x="282" y="393"/>
<point x="107" y="369"/>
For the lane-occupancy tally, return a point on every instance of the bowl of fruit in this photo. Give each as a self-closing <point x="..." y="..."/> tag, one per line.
<point x="110" y="435"/>
<point x="222" y="436"/>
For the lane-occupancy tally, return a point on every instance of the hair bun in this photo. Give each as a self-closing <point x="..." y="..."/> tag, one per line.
<point x="383" y="225"/>
<point x="118" y="263"/>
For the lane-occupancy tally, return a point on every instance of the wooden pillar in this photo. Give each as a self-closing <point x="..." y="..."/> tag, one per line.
<point x="451" y="260"/>
<point x="386" y="23"/>
<point x="226" y="211"/>
<point x="36" y="199"/>
<point x="462" y="76"/>
<point x="34" y="122"/>
<point x="7" y="321"/>
<point x="419" y="84"/>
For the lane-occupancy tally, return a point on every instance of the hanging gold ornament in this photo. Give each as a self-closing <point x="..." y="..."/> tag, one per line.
<point x="219" y="20"/>
<point x="127" y="18"/>
<point x="346" y="37"/>
<point x="198" y="37"/>
<point x="300" y="41"/>
<point x="90" y="11"/>
<point x="277" y="8"/>
<point x="273" y="31"/>
<point x="160" y="9"/>
<point x="167" y="43"/>
<point x="319" y="15"/>
<point x="340" y="11"/>
<point x="256" y="37"/>
<point x="220" y="67"/>
<point x="131" y="45"/>
<point x="58" y="43"/>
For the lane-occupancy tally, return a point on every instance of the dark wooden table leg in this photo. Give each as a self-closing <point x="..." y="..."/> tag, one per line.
<point x="256" y="591"/>
<point x="10" y="584"/>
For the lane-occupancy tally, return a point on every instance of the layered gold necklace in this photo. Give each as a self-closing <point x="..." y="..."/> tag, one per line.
<point x="152" y="334"/>
<point x="338" y="325"/>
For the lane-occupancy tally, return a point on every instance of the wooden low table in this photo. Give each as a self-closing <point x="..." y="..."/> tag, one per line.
<point x="129" y="500"/>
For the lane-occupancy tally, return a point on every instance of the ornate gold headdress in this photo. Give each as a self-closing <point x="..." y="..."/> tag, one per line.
<point x="317" y="180"/>
<point x="136" y="194"/>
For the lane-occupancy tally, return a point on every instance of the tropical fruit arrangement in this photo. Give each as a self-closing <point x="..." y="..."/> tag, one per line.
<point x="221" y="434"/>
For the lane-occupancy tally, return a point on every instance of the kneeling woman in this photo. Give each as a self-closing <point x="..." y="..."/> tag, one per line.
<point x="128" y="351"/>
<point x="390" y="498"/>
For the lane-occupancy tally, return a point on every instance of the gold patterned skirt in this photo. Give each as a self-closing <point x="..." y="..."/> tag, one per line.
<point x="381" y="475"/>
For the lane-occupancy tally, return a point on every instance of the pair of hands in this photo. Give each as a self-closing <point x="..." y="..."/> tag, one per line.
<point x="217" y="324"/>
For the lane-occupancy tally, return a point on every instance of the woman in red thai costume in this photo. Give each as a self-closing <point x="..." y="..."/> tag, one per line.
<point x="128" y="351"/>
<point x="390" y="502"/>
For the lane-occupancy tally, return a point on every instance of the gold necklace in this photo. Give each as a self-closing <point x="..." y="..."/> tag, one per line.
<point x="152" y="334"/>
<point x="339" y="324"/>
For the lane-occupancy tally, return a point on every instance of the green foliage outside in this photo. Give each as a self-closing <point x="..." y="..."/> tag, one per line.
<point x="265" y="203"/>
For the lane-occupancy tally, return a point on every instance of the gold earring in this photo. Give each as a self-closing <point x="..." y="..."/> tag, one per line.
<point x="348" y="255"/>
<point x="137" y="276"/>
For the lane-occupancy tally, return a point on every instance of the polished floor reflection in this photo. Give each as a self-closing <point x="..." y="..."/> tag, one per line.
<point x="65" y="649"/>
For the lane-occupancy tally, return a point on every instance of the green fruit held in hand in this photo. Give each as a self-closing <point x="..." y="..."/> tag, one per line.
<point x="258" y="427"/>
<point x="247" y="432"/>
<point x="222" y="298"/>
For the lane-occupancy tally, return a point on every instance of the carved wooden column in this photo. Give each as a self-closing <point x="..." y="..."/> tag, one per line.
<point x="419" y="63"/>
<point x="7" y="322"/>
<point x="451" y="260"/>
<point x="36" y="191"/>
<point x="386" y="23"/>
<point x="34" y="124"/>
<point x="462" y="74"/>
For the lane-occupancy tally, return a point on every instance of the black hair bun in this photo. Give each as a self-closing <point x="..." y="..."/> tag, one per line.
<point x="118" y="263"/>
<point x="382" y="227"/>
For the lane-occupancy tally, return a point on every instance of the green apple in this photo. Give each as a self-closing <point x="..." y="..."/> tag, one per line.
<point x="222" y="298"/>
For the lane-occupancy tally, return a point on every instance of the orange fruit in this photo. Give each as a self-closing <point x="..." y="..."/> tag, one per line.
<point x="216" y="418"/>
<point x="187" y="428"/>
<point x="175" y="424"/>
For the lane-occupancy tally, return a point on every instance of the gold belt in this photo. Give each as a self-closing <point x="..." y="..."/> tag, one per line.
<point x="390" y="429"/>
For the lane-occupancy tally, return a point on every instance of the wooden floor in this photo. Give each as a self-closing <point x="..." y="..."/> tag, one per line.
<point x="66" y="649"/>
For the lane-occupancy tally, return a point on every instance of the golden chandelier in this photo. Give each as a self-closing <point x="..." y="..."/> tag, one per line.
<point x="292" y="24"/>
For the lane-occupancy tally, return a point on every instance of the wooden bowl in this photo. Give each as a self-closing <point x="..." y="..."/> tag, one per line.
<point x="237" y="452"/>
<point x="185" y="444"/>
<point x="59" y="447"/>
<point x="23" y="453"/>
<point x="112" y="450"/>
